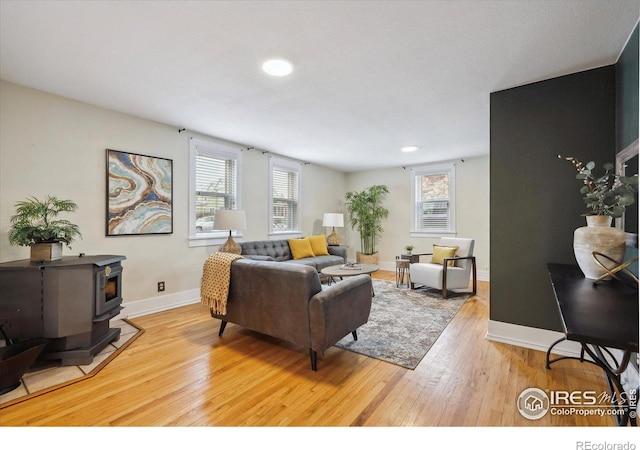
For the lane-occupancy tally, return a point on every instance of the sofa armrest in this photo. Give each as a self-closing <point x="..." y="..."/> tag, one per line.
<point x="338" y="310"/>
<point x="338" y="250"/>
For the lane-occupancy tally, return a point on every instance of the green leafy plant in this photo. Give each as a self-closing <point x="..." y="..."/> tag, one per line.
<point x="366" y="213"/>
<point x="35" y="222"/>
<point x="409" y="248"/>
<point x="605" y="195"/>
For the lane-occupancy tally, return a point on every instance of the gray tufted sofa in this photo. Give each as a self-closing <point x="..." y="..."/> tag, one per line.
<point x="278" y="250"/>
<point x="287" y="301"/>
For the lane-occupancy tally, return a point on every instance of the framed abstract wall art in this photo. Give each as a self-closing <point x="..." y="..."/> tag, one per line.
<point x="139" y="194"/>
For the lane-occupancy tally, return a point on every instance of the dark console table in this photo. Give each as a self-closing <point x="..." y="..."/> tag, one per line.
<point x="600" y="317"/>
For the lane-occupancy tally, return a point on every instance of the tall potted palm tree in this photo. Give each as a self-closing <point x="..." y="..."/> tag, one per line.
<point x="365" y="215"/>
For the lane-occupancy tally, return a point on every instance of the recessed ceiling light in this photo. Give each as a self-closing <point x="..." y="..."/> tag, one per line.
<point x="277" y="67"/>
<point x="409" y="148"/>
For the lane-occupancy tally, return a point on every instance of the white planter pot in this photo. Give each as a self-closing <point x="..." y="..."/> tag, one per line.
<point x="598" y="236"/>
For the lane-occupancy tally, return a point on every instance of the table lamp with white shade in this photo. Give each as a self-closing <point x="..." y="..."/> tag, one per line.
<point x="333" y="220"/>
<point x="230" y="219"/>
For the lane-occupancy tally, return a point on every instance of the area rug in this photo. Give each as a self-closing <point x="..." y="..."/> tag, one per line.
<point x="46" y="376"/>
<point x="404" y="323"/>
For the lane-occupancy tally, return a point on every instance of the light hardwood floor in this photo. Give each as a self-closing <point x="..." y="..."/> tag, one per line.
<point x="180" y="373"/>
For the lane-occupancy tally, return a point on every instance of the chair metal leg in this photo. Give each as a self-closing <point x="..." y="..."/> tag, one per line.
<point x="355" y="335"/>
<point x="444" y="280"/>
<point x="474" y="273"/>
<point x="475" y="276"/>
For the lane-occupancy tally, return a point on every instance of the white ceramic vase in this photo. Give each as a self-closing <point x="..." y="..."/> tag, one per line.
<point x="598" y="236"/>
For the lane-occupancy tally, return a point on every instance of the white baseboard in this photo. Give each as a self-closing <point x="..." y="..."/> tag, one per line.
<point x="529" y="337"/>
<point x="165" y="302"/>
<point x="157" y="304"/>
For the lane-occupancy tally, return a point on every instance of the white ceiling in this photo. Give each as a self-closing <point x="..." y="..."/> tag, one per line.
<point x="370" y="76"/>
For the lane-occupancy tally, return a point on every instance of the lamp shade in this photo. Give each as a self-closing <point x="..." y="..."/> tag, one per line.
<point x="333" y="220"/>
<point x="229" y="219"/>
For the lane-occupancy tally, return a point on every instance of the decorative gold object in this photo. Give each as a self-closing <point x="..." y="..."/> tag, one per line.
<point x="612" y="271"/>
<point x="107" y="271"/>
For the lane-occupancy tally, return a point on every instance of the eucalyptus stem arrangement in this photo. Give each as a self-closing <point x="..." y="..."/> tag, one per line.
<point x="605" y="195"/>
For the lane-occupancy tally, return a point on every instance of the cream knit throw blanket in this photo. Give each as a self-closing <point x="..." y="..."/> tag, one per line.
<point x="216" y="275"/>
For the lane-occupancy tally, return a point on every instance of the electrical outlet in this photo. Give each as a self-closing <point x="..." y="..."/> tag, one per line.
<point x="160" y="286"/>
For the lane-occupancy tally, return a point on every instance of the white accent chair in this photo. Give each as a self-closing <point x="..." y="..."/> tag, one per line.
<point x="443" y="276"/>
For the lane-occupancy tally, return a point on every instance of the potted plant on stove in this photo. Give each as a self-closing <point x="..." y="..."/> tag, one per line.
<point x="365" y="215"/>
<point x="35" y="224"/>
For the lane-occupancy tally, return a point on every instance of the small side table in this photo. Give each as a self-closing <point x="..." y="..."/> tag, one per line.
<point x="414" y="257"/>
<point x="402" y="271"/>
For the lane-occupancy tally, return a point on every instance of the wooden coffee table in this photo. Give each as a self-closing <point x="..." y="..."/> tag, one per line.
<point x="338" y="271"/>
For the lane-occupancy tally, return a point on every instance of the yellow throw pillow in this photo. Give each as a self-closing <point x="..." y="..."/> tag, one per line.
<point x="440" y="253"/>
<point x="300" y="248"/>
<point x="319" y="245"/>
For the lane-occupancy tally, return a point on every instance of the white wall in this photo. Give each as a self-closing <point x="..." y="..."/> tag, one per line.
<point x="53" y="145"/>
<point x="472" y="211"/>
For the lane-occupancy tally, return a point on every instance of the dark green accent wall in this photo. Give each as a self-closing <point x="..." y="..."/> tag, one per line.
<point x="627" y="131"/>
<point x="535" y="201"/>
<point x="627" y="94"/>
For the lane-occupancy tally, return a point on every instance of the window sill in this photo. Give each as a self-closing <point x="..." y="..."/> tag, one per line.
<point x="286" y="234"/>
<point x="432" y="233"/>
<point x="207" y="241"/>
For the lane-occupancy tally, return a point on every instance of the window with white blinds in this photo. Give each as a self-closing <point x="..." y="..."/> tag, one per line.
<point x="434" y="199"/>
<point x="215" y="170"/>
<point x="215" y="183"/>
<point x="284" y="195"/>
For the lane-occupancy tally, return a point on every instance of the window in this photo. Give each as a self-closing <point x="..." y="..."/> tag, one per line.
<point x="433" y="200"/>
<point x="214" y="179"/>
<point x="284" y="196"/>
